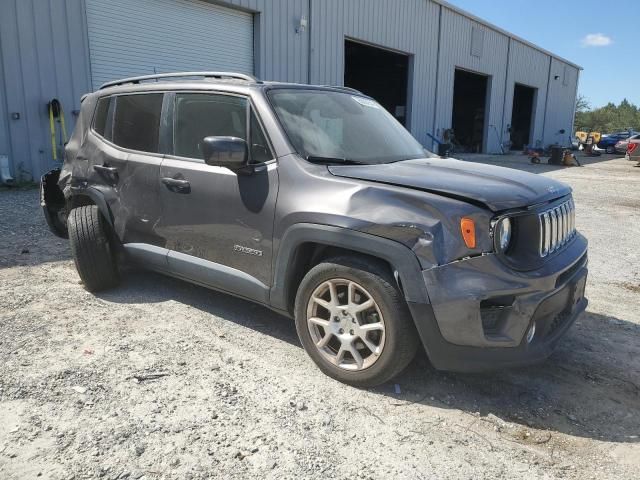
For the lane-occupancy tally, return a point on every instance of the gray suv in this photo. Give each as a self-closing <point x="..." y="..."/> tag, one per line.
<point x="315" y="202"/>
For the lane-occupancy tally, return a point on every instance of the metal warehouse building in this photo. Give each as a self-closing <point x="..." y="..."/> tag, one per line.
<point x="430" y="64"/>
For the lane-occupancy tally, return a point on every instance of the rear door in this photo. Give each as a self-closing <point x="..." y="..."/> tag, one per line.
<point x="218" y="224"/>
<point x="136" y="131"/>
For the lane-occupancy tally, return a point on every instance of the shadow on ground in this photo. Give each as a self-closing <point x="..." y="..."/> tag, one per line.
<point x="580" y="390"/>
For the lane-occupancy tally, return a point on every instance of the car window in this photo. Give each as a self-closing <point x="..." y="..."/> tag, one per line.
<point x="200" y="115"/>
<point x="260" y="151"/>
<point x="338" y="125"/>
<point x="101" y="115"/>
<point x="137" y="121"/>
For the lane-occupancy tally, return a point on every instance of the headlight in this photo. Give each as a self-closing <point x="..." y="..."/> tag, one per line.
<point x="503" y="234"/>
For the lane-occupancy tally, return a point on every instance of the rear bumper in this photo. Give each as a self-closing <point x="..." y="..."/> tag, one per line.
<point x="52" y="202"/>
<point x="481" y="311"/>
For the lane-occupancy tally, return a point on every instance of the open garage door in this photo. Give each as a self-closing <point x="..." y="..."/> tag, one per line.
<point x="522" y="116"/>
<point x="469" y="110"/>
<point x="379" y="73"/>
<point x="142" y="37"/>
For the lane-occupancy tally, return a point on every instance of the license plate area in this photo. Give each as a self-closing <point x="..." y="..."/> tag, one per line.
<point x="577" y="289"/>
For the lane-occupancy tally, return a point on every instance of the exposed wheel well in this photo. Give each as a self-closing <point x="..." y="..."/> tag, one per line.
<point x="79" y="201"/>
<point x="309" y="254"/>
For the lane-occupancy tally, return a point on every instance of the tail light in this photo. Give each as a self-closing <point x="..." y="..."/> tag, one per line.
<point x="631" y="147"/>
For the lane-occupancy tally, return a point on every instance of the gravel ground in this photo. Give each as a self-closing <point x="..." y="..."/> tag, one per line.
<point x="162" y="379"/>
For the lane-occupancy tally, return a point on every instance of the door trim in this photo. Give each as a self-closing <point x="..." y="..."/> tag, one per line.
<point x="197" y="270"/>
<point x="147" y="255"/>
<point x="215" y="275"/>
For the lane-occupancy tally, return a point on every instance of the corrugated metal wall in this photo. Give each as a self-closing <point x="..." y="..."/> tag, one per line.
<point x="455" y="52"/>
<point x="530" y="67"/>
<point x="45" y="53"/>
<point x="124" y="40"/>
<point x="5" y="142"/>
<point x="560" y="103"/>
<point x="281" y="53"/>
<point x="409" y="26"/>
<point x="44" y="56"/>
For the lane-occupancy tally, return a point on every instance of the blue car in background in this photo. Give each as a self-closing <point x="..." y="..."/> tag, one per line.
<point x="608" y="143"/>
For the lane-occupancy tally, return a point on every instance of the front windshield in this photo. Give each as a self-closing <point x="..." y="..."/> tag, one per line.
<point x="322" y="124"/>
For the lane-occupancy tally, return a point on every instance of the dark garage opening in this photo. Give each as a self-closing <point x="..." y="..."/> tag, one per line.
<point x="469" y="110"/>
<point x="379" y="73"/>
<point x="522" y="116"/>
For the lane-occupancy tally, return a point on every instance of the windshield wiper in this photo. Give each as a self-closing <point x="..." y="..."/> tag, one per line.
<point x="343" y="161"/>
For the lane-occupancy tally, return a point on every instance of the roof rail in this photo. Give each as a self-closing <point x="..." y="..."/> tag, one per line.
<point x="346" y="89"/>
<point x="144" y="78"/>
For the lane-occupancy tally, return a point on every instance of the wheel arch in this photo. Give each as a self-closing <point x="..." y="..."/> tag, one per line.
<point x="305" y="245"/>
<point x="90" y="196"/>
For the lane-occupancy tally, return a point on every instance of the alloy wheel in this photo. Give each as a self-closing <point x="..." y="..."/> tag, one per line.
<point x="346" y="324"/>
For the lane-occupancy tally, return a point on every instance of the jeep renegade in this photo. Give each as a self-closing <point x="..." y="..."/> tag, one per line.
<point x="315" y="202"/>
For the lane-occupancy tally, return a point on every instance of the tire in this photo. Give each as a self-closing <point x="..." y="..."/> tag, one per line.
<point x="611" y="150"/>
<point x="395" y="344"/>
<point x="91" y="247"/>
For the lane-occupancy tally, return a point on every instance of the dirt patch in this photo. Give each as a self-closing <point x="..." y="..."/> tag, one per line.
<point x="161" y="379"/>
<point x="632" y="287"/>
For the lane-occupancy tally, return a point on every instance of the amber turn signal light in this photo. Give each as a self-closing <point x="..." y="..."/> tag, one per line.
<point x="468" y="229"/>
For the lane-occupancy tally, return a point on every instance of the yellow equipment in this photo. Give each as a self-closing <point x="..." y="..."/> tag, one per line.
<point x="56" y="113"/>
<point x="582" y="136"/>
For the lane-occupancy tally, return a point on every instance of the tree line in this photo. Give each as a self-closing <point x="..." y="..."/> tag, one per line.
<point x="608" y="119"/>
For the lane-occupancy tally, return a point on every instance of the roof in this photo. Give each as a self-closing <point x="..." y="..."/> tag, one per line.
<point x="479" y="20"/>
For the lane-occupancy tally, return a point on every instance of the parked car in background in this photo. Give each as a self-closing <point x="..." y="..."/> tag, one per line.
<point x="608" y="142"/>
<point x="633" y="149"/>
<point x="621" y="146"/>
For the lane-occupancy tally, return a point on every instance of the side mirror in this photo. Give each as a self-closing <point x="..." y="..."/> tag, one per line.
<point x="230" y="152"/>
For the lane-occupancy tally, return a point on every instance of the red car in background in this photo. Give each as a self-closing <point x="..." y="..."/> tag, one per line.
<point x="633" y="149"/>
<point x="621" y="146"/>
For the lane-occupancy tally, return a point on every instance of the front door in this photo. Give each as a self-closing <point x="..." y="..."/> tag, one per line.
<point x="218" y="224"/>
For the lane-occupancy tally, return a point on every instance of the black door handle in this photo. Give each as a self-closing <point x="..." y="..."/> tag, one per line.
<point x="177" y="185"/>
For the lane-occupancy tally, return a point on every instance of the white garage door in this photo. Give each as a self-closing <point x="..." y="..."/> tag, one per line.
<point x="142" y="37"/>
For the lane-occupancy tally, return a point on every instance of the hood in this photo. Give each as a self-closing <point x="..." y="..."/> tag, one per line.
<point x="498" y="188"/>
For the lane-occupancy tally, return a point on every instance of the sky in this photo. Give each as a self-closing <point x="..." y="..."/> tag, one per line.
<point x="599" y="36"/>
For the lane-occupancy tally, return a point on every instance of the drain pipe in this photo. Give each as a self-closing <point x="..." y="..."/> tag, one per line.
<point x="5" y="175"/>
<point x="309" y="46"/>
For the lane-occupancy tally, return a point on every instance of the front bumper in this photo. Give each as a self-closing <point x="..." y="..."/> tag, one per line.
<point x="480" y="310"/>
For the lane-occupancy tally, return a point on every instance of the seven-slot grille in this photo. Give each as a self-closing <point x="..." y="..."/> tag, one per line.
<point x="557" y="227"/>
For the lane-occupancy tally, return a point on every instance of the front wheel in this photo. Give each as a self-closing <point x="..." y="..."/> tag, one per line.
<point x="353" y="321"/>
<point x="611" y="150"/>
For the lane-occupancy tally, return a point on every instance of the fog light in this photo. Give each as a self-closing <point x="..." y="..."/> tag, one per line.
<point x="531" y="333"/>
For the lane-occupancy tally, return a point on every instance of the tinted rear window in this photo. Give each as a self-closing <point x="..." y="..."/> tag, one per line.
<point x="137" y="121"/>
<point x="100" y="118"/>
